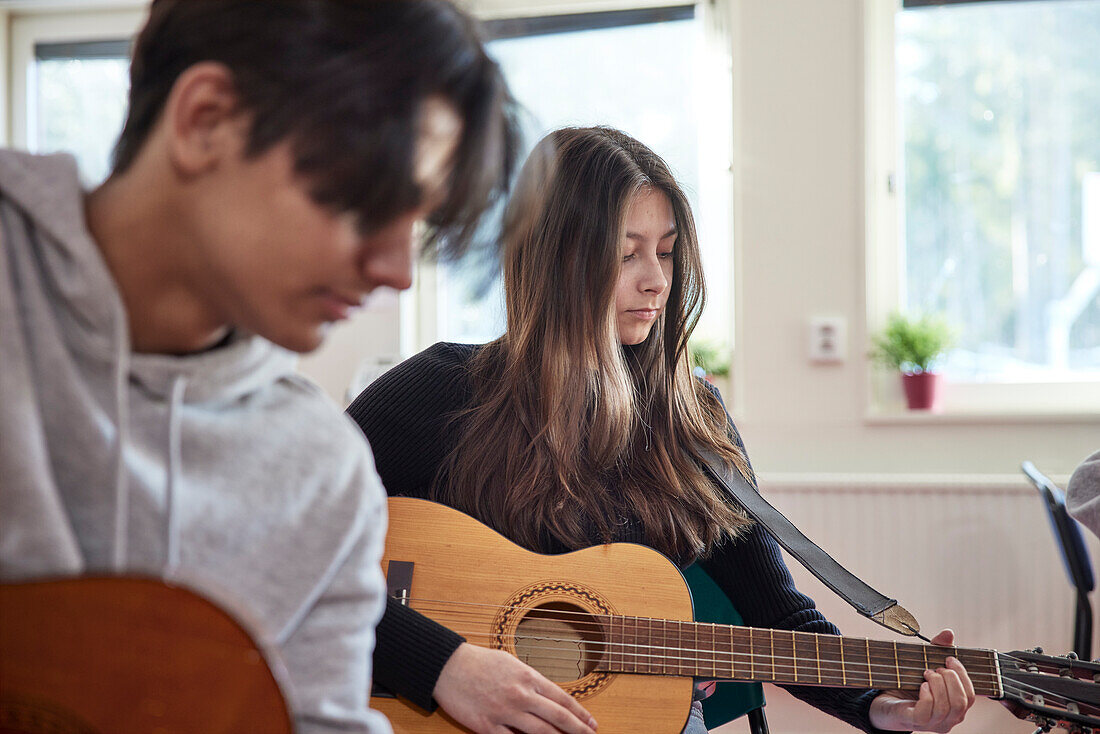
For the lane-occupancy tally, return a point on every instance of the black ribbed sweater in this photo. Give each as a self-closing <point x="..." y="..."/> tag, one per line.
<point x="404" y="415"/>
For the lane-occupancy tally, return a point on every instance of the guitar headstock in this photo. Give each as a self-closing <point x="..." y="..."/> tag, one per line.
<point x="1053" y="691"/>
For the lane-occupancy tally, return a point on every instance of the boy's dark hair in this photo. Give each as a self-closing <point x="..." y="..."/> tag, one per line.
<point x="343" y="80"/>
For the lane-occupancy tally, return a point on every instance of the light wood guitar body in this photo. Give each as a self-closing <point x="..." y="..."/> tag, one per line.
<point x="465" y="577"/>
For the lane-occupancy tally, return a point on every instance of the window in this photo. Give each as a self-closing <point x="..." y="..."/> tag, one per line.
<point x="996" y="182"/>
<point x="71" y="77"/>
<point x="77" y="102"/>
<point x="649" y="72"/>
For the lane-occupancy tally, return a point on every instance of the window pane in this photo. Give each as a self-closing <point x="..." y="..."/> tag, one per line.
<point x="1001" y="178"/>
<point x="78" y="107"/>
<point x="639" y="78"/>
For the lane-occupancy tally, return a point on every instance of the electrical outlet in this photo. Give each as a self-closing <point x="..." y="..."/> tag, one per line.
<point x="828" y="339"/>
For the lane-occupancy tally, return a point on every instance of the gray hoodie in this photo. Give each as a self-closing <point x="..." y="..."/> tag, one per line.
<point x="1083" y="493"/>
<point x="222" y="470"/>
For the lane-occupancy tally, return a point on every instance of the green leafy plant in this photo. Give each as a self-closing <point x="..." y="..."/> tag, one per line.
<point x="912" y="343"/>
<point x="712" y="356"/>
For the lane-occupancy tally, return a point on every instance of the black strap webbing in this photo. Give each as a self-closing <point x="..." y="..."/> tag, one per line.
<point x="848" y="586"/>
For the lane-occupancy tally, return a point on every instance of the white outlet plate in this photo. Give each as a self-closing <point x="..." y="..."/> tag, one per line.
<point x="828" y="339"/>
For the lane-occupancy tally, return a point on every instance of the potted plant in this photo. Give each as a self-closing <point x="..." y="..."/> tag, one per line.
<point x="711" y="358"/>
<point x="911" y="345"/>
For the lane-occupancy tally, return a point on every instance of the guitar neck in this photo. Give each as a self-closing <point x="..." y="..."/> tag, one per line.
<point x="665" y="647"/>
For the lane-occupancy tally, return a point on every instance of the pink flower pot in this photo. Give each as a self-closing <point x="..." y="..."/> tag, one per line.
<point x="920" y="389"/>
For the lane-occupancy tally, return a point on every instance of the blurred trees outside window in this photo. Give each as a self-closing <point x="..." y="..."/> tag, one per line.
<point x="999" y="106"/>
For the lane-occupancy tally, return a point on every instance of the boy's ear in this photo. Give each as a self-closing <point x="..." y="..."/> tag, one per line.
<point x="202" y="119"/>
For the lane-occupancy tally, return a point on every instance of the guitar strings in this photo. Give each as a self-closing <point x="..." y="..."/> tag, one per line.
<point x="761" y="661"/>
<point x="890" y="664"/>
<point x="584" y="617"/>
<point x="906" y="646"/>
<point x="902" y="646"/>
<point x="878" y="660"/>
<point x="776" y="665"/>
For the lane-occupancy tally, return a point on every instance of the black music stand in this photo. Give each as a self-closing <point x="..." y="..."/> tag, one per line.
<point x="1074" y="556"/>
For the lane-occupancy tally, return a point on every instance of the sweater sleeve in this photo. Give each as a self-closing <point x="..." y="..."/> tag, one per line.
<point x="404" y="414"/>
<point x="410" y="652"/>
<point x="752" y="573"/>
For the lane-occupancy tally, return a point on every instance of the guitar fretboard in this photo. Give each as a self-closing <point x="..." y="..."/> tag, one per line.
<point x="664" y="647"/>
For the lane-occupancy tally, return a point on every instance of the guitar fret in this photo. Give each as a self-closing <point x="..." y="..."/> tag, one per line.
<point x="794" y="654"/>
<point x="677" y="647"/>
<point x="628" y="648"/>
<point x="843" y="670"/>
<point x="633" y="645"/>
<point x="681" y="657"/>
<point x="752" y="656"/>
<point x="733" y="672"/>
<point x="897" y="668"/>
<point x="638" y="644"/>
<point x="657" y="656"/>
<point x="697" y="652"/>
<point x="730" y="674"/>
<point x="611" y="641"/>
<point x="870" y="683"/>
<point x="817" y="651"/>
<point x="771" y="643"/>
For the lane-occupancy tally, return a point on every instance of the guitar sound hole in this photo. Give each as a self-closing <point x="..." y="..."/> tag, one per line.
<point x="560" y="640"/>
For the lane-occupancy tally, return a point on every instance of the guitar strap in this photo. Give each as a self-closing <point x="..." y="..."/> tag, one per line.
<point x="848" y="586"/>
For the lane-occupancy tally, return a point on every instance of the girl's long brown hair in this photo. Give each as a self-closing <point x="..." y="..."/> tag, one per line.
<point x="569" y="432"/>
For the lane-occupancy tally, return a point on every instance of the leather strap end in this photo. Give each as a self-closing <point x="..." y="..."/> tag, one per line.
<point x="898" y="618"/>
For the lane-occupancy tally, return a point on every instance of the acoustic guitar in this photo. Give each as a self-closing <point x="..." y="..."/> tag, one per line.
<point x="120" y="655"/>
<point x="612" y="625"/>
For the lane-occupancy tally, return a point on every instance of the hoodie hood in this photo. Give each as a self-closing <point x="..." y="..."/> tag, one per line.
<point x="46" y="190"/>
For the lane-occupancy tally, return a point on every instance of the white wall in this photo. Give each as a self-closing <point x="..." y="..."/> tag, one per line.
<point x="800" y="148"/>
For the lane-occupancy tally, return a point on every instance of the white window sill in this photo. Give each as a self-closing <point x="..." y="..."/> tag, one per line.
<point x="903" y="416"/>
<point x="986" y="403"/>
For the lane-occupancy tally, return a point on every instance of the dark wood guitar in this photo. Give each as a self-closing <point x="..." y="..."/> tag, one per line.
<point x="117" y="655"/>
<point x="613" y="626"/>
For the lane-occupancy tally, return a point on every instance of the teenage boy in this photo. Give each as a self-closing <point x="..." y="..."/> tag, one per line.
<point x="274" y="162"/>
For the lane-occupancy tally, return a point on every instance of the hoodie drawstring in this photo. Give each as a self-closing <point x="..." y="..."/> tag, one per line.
<point x="171" y="521"/>
<point x="122" y="421"/>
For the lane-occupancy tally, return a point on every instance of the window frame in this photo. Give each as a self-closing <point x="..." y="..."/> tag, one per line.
<point x="1063" y="401"/>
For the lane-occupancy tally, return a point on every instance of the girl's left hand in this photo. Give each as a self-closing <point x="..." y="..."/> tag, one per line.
<point x="944" y="698"/>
